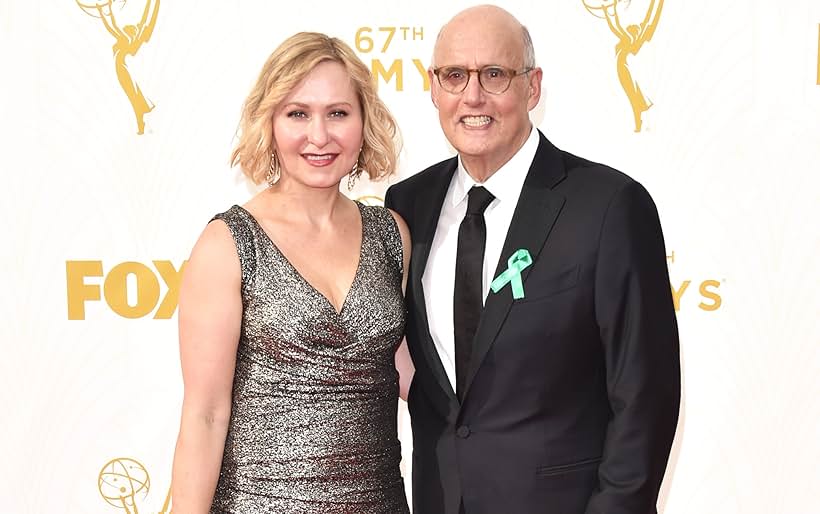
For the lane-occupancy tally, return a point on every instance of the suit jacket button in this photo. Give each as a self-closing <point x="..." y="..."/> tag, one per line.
<point x="463" y="432"/>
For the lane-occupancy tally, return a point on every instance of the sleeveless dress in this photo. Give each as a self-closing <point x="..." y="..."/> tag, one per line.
<point x="313" y="425"/>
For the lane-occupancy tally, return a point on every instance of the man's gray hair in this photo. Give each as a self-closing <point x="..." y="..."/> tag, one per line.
<point x="529" y="49"/>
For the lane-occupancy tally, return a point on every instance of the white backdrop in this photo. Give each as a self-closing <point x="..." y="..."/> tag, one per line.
<point x="730" y="151"/>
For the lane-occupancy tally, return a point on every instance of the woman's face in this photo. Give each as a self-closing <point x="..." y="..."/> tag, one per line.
<point x="318" y="128"/>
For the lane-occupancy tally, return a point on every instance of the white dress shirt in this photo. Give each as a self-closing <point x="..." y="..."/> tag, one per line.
<point x="440" y="272"/>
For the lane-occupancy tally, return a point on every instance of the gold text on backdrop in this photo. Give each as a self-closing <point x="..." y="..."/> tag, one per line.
<point x="630" y="41"/>
<point x="710" y="298"/>
<point x="708" y="290"/>
<point x="129" y="39"/>
<point x="116" y="286"/>
<point x="366" y="39"/>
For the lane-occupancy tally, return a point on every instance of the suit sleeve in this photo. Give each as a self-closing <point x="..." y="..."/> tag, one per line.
<point x="389" y="200"/>
<point x="636" y="318"/>
<point x="396" y="199"/>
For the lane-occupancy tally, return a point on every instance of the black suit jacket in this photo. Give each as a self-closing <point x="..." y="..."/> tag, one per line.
<point x="573" y="392"/>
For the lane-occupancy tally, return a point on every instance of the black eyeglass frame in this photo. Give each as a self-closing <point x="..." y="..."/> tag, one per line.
<point x="513" y="73"/>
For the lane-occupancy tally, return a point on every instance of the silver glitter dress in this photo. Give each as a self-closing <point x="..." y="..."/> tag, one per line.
<point x="315" y="392"/>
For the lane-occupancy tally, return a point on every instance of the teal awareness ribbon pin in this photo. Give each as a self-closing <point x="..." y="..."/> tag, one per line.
<point x="517" y="263"/>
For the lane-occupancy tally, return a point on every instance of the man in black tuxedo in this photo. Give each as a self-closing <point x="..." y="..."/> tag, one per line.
<point x="560" y="394"/>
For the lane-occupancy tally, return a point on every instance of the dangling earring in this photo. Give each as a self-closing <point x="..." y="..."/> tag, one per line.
<point x="274" y="171"/>
<point x="354" y="173"/>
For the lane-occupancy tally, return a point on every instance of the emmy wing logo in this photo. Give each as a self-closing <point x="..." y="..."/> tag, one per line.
<point x="123" y="482"/>
<point x="630" y="40"/>
<point x="371" y="200"/>
<point x="128" y="39"/>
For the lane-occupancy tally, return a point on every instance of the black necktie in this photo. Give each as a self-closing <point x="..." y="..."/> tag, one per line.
<point x="467" y="298"/>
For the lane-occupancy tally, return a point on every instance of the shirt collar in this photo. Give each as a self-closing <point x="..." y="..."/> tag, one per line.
<point x="506" y="183"/>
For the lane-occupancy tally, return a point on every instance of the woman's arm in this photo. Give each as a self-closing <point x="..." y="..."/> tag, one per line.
<point x="210" y="317"/>
<point x="404" y="365"/>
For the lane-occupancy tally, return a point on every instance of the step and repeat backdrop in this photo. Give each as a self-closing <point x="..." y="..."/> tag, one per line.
<point x="117" y="121"/>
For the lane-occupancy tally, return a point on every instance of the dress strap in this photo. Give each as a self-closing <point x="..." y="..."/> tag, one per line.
<point x="387" y="231"/>
<point x="243" y="229"/>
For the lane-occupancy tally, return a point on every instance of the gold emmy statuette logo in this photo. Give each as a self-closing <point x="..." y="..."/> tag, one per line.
<point x="122" y="480"/>
<point x="128" y="40"/>
<point x="371" y="200"/>
<point x="630" y="41"/>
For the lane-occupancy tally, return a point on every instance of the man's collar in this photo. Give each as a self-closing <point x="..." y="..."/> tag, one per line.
<point x="506" y="183"/>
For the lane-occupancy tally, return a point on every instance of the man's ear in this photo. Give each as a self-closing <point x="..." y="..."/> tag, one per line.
<point x="534" y="96"/>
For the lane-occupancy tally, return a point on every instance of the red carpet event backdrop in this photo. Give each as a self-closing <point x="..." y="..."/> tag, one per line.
<point x="118" y="119"/>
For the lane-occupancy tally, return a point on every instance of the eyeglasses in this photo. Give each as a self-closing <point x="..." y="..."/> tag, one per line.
<point x="493" y="79"/>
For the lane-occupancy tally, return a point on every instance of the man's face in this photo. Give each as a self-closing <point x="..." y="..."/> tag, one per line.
<point x="486" y="129"/>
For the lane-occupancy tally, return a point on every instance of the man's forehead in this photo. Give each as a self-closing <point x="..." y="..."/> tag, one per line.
<point x="480" y="48"/>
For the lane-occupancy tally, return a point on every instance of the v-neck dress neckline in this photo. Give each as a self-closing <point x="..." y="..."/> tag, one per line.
<point x="299" y="274"/>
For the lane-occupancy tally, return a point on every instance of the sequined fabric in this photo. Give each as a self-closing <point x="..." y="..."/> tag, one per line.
<point x="313" y="424"/>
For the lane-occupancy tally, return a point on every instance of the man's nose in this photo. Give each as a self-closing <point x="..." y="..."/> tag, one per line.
<point x="473" y="93"/>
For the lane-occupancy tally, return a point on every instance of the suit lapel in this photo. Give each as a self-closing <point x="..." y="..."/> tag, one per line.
<point x="537" y="209"/>
<point x="427" y="209"/>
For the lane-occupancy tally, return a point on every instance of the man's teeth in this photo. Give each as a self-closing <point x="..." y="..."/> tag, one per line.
<point x="476" y="121"/>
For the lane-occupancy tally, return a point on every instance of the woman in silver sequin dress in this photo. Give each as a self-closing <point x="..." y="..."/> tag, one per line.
<point x="291" y="311"/>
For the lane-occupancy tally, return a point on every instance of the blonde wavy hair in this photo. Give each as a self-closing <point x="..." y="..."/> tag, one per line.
<point x="286" y="67"/>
